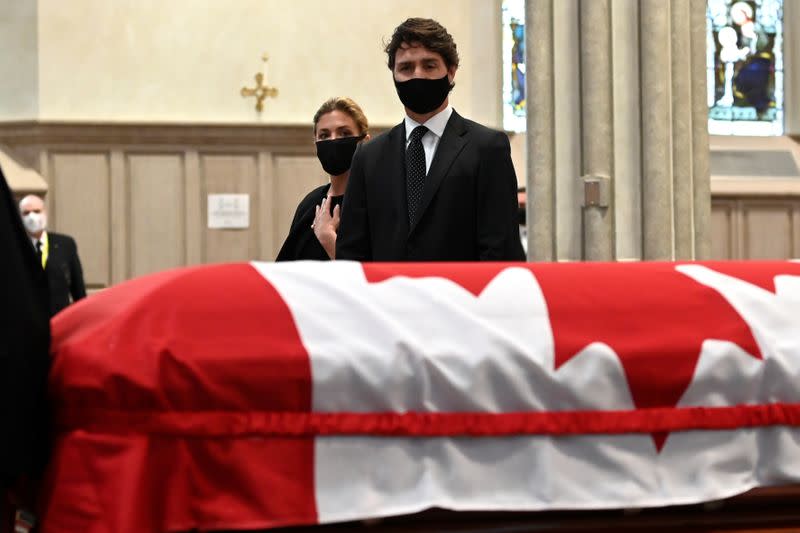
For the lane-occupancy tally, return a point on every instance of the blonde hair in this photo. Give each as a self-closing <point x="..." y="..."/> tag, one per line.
<point x="345" y="105"/>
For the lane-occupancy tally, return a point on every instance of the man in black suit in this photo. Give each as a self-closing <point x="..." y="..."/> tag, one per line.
<point x="58" y="255"/>
<point x="436" y="187"/>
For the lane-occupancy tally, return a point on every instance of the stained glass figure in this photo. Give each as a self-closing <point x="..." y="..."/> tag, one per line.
<point x="744" y="44"/>
<point x="514" y="65"/>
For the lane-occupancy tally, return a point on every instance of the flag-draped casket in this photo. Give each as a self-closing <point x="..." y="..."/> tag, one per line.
<point x="260" y="395"/>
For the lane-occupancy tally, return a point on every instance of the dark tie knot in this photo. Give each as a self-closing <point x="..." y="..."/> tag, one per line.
<point x="418" y="132"/>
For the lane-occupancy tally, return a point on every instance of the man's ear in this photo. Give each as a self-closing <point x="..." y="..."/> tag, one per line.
<point x="368" y="137"/>
<point x="451" y="73"/>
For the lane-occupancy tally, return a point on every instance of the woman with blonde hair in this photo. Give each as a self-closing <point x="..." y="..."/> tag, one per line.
<point x="339" y="126"/>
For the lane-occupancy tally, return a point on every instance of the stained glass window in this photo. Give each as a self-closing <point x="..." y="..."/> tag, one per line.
<point x="514" y="65"/>
<point x="744" y="44"/>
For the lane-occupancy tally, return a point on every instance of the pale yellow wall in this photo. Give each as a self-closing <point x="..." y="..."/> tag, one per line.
<point x="18" y="60"/>
<point x="186" y="60"/>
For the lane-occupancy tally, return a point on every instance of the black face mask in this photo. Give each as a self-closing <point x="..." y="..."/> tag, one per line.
<point x="422" y="95"/>
<point x="336" y="155"/>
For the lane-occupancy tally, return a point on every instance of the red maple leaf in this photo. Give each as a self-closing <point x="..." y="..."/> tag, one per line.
<point x="654" y="317"/>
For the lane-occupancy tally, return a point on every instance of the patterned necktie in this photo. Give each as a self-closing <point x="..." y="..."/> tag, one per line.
<point x="415" y="172"/>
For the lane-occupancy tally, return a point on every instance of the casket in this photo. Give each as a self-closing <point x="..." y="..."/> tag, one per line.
<point x="260" y="395"/>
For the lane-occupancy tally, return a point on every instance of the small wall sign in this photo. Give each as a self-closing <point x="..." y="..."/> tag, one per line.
<point x="228" y="211"/>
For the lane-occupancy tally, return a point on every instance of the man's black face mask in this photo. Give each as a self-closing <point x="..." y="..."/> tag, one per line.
<point x="422" y="95"/>
<point x="336" y="155"/>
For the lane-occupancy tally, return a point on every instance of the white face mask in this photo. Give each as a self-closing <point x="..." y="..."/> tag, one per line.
<point x="35" y="222"/>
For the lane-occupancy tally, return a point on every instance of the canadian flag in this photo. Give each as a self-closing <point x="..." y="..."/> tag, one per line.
<point x="260" y="395"/>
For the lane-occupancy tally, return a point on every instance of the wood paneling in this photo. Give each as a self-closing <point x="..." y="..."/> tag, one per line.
<point x="755" y="227"/>
<point x="80" y="207"/>
<point x="120" y="209"/>
<point x="767" y="230"/>
<point x="723" y="230"/>
<point x="157" y="212"/>
<point x="268" y="241"/>
<point x="296" y="177"/>
<point x="193" y="216"/>
<point x="223" y="174"/>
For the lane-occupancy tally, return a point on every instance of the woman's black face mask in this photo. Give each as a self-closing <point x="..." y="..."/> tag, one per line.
<point x="336" y="155"/>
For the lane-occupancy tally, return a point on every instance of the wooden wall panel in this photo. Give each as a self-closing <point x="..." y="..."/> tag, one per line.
<point x="223" y="174"/>
<point x="295" y="177"/>
<point x="157" y="212"/>
<point x="268" y="243"/>
<point x="796" y="231"/>
<point x="723" y="230"/>
<point x="120" y="209"/>
<point x="80" y="207"/>
<point x="767" y="230"/>
<point x="193" y="218"/>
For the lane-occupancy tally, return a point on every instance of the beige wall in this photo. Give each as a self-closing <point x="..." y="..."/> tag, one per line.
<point x="184" y="61"/>
<point x="18" y="60"/>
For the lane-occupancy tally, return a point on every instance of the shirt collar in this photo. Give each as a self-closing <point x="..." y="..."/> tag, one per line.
<point x="42" y="239"/>
<point x="435" y="124"/>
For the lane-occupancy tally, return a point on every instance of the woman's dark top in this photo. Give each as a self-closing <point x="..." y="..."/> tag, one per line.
<point x="301" y="243"/>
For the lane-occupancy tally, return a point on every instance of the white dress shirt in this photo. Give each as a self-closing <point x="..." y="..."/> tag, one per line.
<point x="43" y="239"/>
<point x="430" y="141"/>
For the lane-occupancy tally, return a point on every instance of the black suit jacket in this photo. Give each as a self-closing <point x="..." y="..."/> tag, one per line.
<point x="64" y="272"/>
<point x="469" y="204"/>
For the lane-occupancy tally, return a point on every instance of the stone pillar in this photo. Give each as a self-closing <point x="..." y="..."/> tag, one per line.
<point x="617" y="130"/>
<point x="682" y="114"/>
<point x="657" y="190"/>
<point x="701" y="163"/>
<point x="541" y="179"/>
<point x="627" y="130"/>
<point x="597" y="129"/>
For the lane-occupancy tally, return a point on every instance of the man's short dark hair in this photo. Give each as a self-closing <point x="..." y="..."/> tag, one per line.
<point x="429" y="34"/>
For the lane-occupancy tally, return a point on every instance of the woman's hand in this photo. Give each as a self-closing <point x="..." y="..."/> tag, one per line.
<point x="326" y="225"/>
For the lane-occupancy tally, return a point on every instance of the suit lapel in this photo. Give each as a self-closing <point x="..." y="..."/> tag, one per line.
<point x="450" y="145"/>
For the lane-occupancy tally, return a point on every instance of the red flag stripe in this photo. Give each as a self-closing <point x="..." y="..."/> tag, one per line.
<point x="233" y="424"/>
